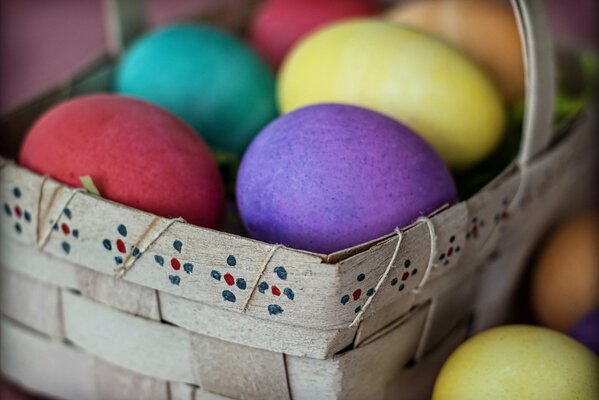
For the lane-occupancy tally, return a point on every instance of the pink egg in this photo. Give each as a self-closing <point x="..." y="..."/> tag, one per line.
<point x="136" y="153"/>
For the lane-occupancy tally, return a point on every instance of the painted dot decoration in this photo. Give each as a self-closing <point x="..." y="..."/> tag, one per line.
<point x="345" y="299"/>
<point x="188" y="268"/>
<point x="356" y="295"/>
<point x="231" y="261"/>
<point x="358" y="309"/>
<point x="178" y="245"/>
<point x="275" y="290"/>
<point x="240" y="282"/>
<point x="289" y="293"/>
<point x="122" y="229"/>
<point x="394" y="281"/>
<point x="159" y="260"/>
<point x="17" y="212"/>
<point x="281" y="272"/>
<point x="229" y="296"/>
<point x="176" y="264"/>
<point x="370" y="292"/>
<point x="215" y="275"/>
<point x="407" y="263"/>
<point x="274" y="309"/>
<point x="175" y="280"/>
<point x="361" y="277"/>
<point x="453" y="248"/>
<point x="229" y="279"/>
<point x="263" y="287"/>
<point x="118" y="260"/>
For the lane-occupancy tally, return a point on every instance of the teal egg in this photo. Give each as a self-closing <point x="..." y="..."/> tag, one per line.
<point x="207" y="77"/>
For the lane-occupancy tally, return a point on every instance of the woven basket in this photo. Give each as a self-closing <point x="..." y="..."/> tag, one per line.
<point x="201" y="314"/>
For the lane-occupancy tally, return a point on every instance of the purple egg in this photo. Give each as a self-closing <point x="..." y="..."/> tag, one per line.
<point x="329" y="176"/>
<point x="586" y="331"/>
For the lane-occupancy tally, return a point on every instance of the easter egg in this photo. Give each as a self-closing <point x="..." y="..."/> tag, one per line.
<point x="405" y="74"/>
<point x="208" y="78"/>
<point x="136" y="153"/>
<point x="330" y="176"/>
<point x="486" y="31"/>
<point x="565" y="281"/>
<point x="586" y="331"/>
<point x="519" y="362"/>
<point x="279" y="24"/>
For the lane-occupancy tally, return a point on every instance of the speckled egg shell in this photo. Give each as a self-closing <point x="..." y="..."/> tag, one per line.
<point x="136" y="153"/>
<point x="330" y="176"/>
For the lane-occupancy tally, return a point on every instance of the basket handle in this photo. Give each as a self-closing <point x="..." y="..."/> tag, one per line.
<point x="539" y="65"/>
<point x="124" y="20"/>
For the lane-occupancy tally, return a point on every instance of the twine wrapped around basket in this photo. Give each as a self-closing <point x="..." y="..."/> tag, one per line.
<point x="199" y="314"/>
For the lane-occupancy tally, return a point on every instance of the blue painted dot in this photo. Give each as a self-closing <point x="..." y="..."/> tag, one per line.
<point x="407" y="263"/>
<point x="263" y="287"/>
<point x="107" y="245"/>
<point x="159" y="260"/>
<point x="274" y="309"/>
<point x="345" y="299"/>
<point x="75" y="233"/>
<point x="241" y="283"/>
<point x="27" y="215"/>
<point x="414" y="271"/>
<point x="118" y="260"/>
<point x="55" y="226"/>
<point x="178" y="245"/>
<point x="175" y="280"/>
<point x="231" y="261"/>
<point x="401" y="287"/>
<point x="67" y="213"/>
<point x="188" y="267"/>
<point x="361" y="277"/>
<point x="370" y="292"/>
<point x="122" y="229"/>
<point x="358" y="309"/>
<point x="394" y="281"/>
<point x="289" y="293"/>
<point x="66" y="247"/>
<point x="281" y="272"/>
<point x="229" y="296"/>
<point x="18" y="228"/>
<point x="136" y="252"/>
<point x="17" y="192"/>
<point x="7" y="210"/>
<point x="215" y="274"/>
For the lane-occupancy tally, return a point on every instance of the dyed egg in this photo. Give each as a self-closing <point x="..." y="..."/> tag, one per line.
<point x="565" y="282"/>
<point x="405" y="74"/>
<point x="586" y="331"/>
<point x="519" y="362"/>
<point x="208" y="78"/>
<point x="330" y="176"/>
<point x="279" y="24"/>
<point x="485" y="31"/>
<point x="136" y="153"/>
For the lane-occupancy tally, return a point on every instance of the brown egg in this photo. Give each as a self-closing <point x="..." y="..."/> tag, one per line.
<point x="565" y="282"/>
<point x="484" y="30"/>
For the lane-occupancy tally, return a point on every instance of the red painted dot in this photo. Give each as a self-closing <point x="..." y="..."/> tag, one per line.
<point x="121" y="246"/>
<point x="405" y="276"/>
<point x="18" y="211"/>
<point x="474" y="229"/>
<point x="275" y="290"/>
<point x="356" y="294"/>
<point x="450" y="251"/>
<point x="505" y="215"/>
<point x="65" y="228"/>
<point x="229" y="279"/>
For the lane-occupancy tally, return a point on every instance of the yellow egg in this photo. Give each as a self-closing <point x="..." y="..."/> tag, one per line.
<point x="484" y="30"/>
<point x="519" y="362"/>
<point x="404" y="74"/>
<point x="565" y="282"/>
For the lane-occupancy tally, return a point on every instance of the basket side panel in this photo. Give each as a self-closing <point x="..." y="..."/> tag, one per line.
<point x="44" y="365"/>
<point x="31" y="303"/>
<point x="113" y="382"/>
<point x="256" y="374"/>
<point x="141" y="345"/>
<point x="254" y="332"/>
